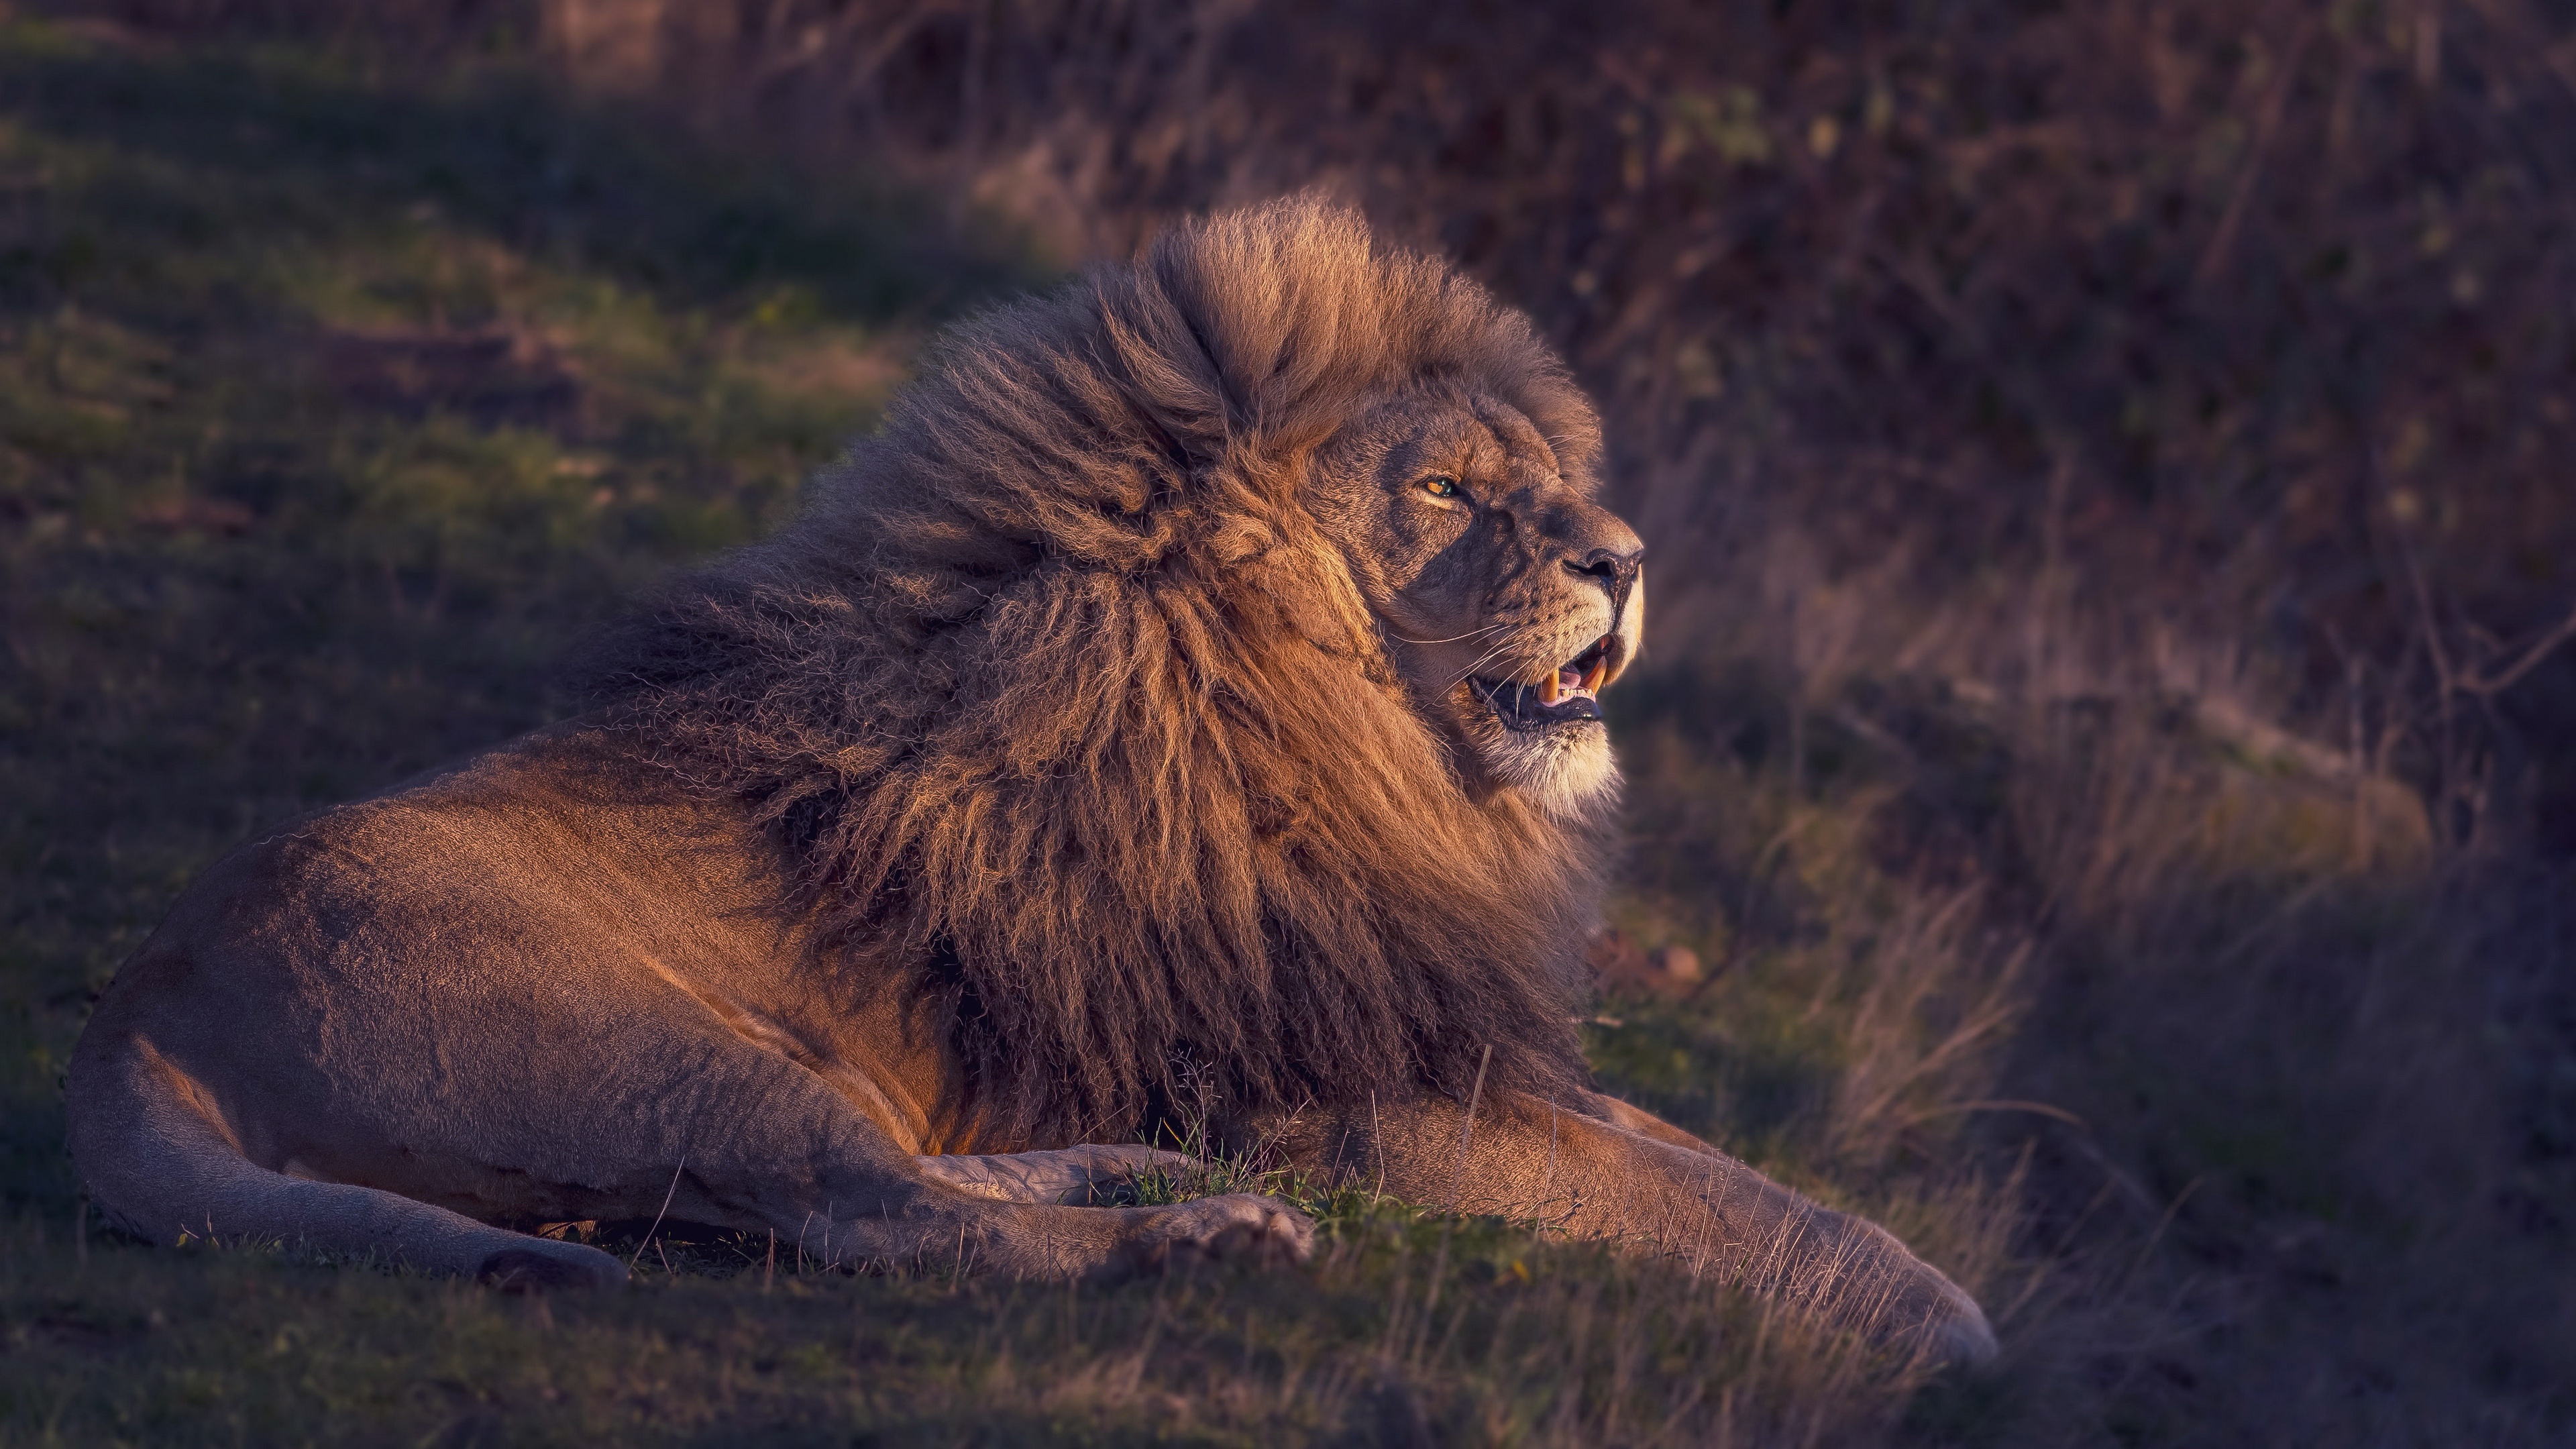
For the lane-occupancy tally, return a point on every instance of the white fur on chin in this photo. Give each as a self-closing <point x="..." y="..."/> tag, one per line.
<point x="1565" y="772"/>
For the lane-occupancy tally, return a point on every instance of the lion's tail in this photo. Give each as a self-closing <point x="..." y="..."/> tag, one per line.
<point x="162" y="1162"/>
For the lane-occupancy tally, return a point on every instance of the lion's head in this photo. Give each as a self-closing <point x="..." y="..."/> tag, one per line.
<point x="1200" y="667"/>
<point x="1506" y="597"/>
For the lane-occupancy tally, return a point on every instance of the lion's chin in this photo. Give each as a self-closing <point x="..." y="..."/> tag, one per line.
<point x="1568" y="770"/>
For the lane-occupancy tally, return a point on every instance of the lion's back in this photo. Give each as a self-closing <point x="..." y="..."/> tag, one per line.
<point x="358" y="890"/>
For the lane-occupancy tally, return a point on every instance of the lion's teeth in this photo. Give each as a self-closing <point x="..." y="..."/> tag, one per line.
<point x="1547" y="689"/>
<point x="1592" y="676"/>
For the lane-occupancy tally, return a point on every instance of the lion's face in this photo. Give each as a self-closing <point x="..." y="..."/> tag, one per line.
<point x="1509" y="598"/>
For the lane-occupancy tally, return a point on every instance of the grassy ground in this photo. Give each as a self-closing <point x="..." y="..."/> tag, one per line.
<point x="1407" y="1331"/>
<point x="332" y="409"/>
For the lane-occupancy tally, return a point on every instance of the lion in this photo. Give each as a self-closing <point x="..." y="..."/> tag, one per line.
<point x="1183" y="715"/>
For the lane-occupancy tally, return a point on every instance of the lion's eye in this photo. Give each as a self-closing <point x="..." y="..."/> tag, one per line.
<point x="1440" y="485"/>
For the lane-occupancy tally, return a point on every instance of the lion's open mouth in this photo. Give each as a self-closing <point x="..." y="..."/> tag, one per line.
<point x="1570" y="695"/>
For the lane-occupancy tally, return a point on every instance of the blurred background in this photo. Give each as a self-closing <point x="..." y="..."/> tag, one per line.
<point x="2104" y="777"/>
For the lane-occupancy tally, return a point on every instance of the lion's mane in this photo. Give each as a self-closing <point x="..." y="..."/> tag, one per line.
<point x="1054" y="696"/>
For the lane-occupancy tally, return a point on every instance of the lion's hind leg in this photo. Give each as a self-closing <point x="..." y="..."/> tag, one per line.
<point x="162" y="1163"/>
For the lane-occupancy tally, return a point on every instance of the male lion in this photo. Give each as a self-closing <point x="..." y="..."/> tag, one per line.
<point x="1183" y="711"/>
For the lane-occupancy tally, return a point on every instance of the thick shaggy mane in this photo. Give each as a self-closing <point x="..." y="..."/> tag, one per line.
<point x="1057" y="699"/>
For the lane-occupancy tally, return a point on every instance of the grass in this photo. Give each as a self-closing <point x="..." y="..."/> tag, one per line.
<point x="333" y="407"/>
<point x="1405" y="1332"/>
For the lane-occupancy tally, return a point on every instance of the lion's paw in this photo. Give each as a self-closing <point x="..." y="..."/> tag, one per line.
<point x="1962" y="1335"/>
<point x="1237" y="1229"/>
<point x="1907" y="1302"/>
<point x="542" y="1267"/>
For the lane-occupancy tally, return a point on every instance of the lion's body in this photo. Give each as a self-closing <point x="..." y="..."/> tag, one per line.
<point x="522" y="991"/>
<point x="508" y="921"/>
<point x="1087" y="756"/>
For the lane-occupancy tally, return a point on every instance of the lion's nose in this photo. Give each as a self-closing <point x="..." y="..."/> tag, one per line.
<point x="1616" y="569"/>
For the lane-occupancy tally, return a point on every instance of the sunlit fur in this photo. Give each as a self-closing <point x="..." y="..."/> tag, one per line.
<point x="1485" y="579"/>
<point x="1059" y="700"/>
<point x="1566" y="773"/>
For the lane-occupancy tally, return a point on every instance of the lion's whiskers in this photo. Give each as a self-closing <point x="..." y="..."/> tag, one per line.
<point x="1452" y="639"/>
<point x="1481" y="660"/>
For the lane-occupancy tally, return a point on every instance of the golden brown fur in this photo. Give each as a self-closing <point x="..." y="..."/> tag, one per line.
<point x="1184" y="705"/>
<point x="1060" y="697"/>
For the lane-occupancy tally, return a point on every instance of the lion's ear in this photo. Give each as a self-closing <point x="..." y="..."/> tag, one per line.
<point x="1290" y="306"/>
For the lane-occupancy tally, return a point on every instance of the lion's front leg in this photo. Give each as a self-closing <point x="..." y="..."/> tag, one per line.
<point x="975" y="1229"/>
<point x="1041" y="1214"/>
<point x="1087" y="1176"/>
<point x="1659" y="1191"/>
